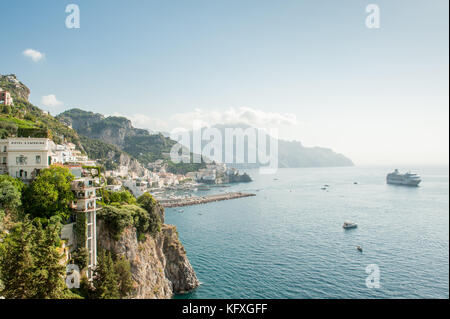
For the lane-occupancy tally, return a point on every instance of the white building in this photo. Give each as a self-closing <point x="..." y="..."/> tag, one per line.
<point x="85" y="208"/>
<point x="114" y="188"/>
<point x="24" y="157"/>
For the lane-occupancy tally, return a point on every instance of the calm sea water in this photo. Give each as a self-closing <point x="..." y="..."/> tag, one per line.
<point x="288" y="241"/>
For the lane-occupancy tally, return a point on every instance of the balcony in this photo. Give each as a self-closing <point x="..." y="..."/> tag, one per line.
<point x="88" y="209"/>
<point x="82" y="185"/>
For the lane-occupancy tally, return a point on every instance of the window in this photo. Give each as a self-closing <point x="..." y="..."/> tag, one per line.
<point x="4" y="160"/>
<point x="21" y="160"/>
<point x="38" y="159"/>
<point x="4" y="149"/>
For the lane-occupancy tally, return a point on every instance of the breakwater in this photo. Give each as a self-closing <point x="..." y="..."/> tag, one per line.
<point x="203" y="199"/>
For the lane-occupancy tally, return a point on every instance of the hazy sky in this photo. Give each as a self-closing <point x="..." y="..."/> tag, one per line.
<point x="311" y="68"/>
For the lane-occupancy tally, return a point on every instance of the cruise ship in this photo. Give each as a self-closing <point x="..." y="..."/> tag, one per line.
<point x="408" y="179"/>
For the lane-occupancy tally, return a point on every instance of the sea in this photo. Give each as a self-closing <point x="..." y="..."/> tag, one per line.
<point x="288" y="240"/>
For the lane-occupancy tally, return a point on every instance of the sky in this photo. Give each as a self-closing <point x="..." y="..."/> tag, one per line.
<point x="312" y="69"/>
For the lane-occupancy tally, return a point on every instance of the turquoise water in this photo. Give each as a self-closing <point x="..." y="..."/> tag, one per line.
<point x="288" y="241"/>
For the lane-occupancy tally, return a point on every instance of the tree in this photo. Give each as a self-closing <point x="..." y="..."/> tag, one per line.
<point x="50" y="193"/>
<point x="80" y="257"/>
<point x="122" y="269"/>
<point x="18" y="184"/>
<point x="17" y="263"/>
<point x="105" y="279"/>
<point x="9" y="198"/>
<point x="49" y="272"/>
<point x="30" y="264"/>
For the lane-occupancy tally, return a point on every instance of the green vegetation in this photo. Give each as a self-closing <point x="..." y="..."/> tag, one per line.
<point x="80" y="258"/>
<point x="112" y="279"/>
<point x="10" y="199"/>
<point x="105" y="279"/>
<point x="80" y="229"/>
<point x="122" y="210"/>
<point x="50" y="194"/>
<point x="107" y="155"/>
<point x="24" y="119"/>
<point x="122" y="269"/>
<point x="183" y="168"/>
<point x="120" y="197"/>
<point x="30" y="262"/>
<point x="31" y="253"/>
<point x="154" y="210"/>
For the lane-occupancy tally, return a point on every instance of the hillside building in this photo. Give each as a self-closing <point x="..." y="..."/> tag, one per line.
<point x="24" y="157"/>
<point x="5" y="98"/>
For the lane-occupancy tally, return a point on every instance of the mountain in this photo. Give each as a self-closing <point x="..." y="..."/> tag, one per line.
<point x="139" y="143"/>
<point x="24" y="120"/>
<point x="294" y="154"/>
<point x="291" y="154"/>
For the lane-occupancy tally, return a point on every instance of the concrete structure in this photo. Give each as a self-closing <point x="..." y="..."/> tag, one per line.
<point x="24" y="157"/>
<point x="113" y="188"/>
<point x="85" y="210"/>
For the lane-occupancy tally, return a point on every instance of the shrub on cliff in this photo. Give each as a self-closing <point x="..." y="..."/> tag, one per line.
<point x="117" y="218"/>
<point x="154" y="210"/>
<point x="120" y="197"/>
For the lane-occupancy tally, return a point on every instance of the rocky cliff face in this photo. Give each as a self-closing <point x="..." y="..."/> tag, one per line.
<point x="159" y="264"/>
<point x="17" y="89"/>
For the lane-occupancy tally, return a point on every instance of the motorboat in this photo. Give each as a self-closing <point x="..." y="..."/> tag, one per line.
<point x="349" y="225"/>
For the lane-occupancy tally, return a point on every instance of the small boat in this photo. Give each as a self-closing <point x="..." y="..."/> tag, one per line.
<point x="348" y="225"/>
<point x="180" y="210"/>
<point x="359" y="248"/>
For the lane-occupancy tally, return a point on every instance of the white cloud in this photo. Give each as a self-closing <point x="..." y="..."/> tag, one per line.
<point x="245" y="115"/>
<point x="34" y="55"/>
<point x="51" y="101"/>
<point x="285" y="122"/>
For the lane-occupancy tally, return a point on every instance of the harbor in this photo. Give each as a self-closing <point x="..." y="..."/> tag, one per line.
<point x="196" y="200"/>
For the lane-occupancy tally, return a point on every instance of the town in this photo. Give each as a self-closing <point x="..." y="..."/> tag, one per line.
<point x="25" y="157"/>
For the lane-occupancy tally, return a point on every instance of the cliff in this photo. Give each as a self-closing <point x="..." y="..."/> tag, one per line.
<point x="18" y="90"/>
<point x="140" y="144"/>
<point x="159" y="264"/>
<point x="120" y="132"/>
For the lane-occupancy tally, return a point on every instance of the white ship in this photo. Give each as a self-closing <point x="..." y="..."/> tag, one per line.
<point x="408" y="179"/>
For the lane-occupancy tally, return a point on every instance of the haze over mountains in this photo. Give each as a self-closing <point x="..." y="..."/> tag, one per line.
<point x="291" y="154"/>
<point x="147" y="147"/>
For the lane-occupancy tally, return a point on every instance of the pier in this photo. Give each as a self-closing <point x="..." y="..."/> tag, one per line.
<point x="203" y="199"/>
